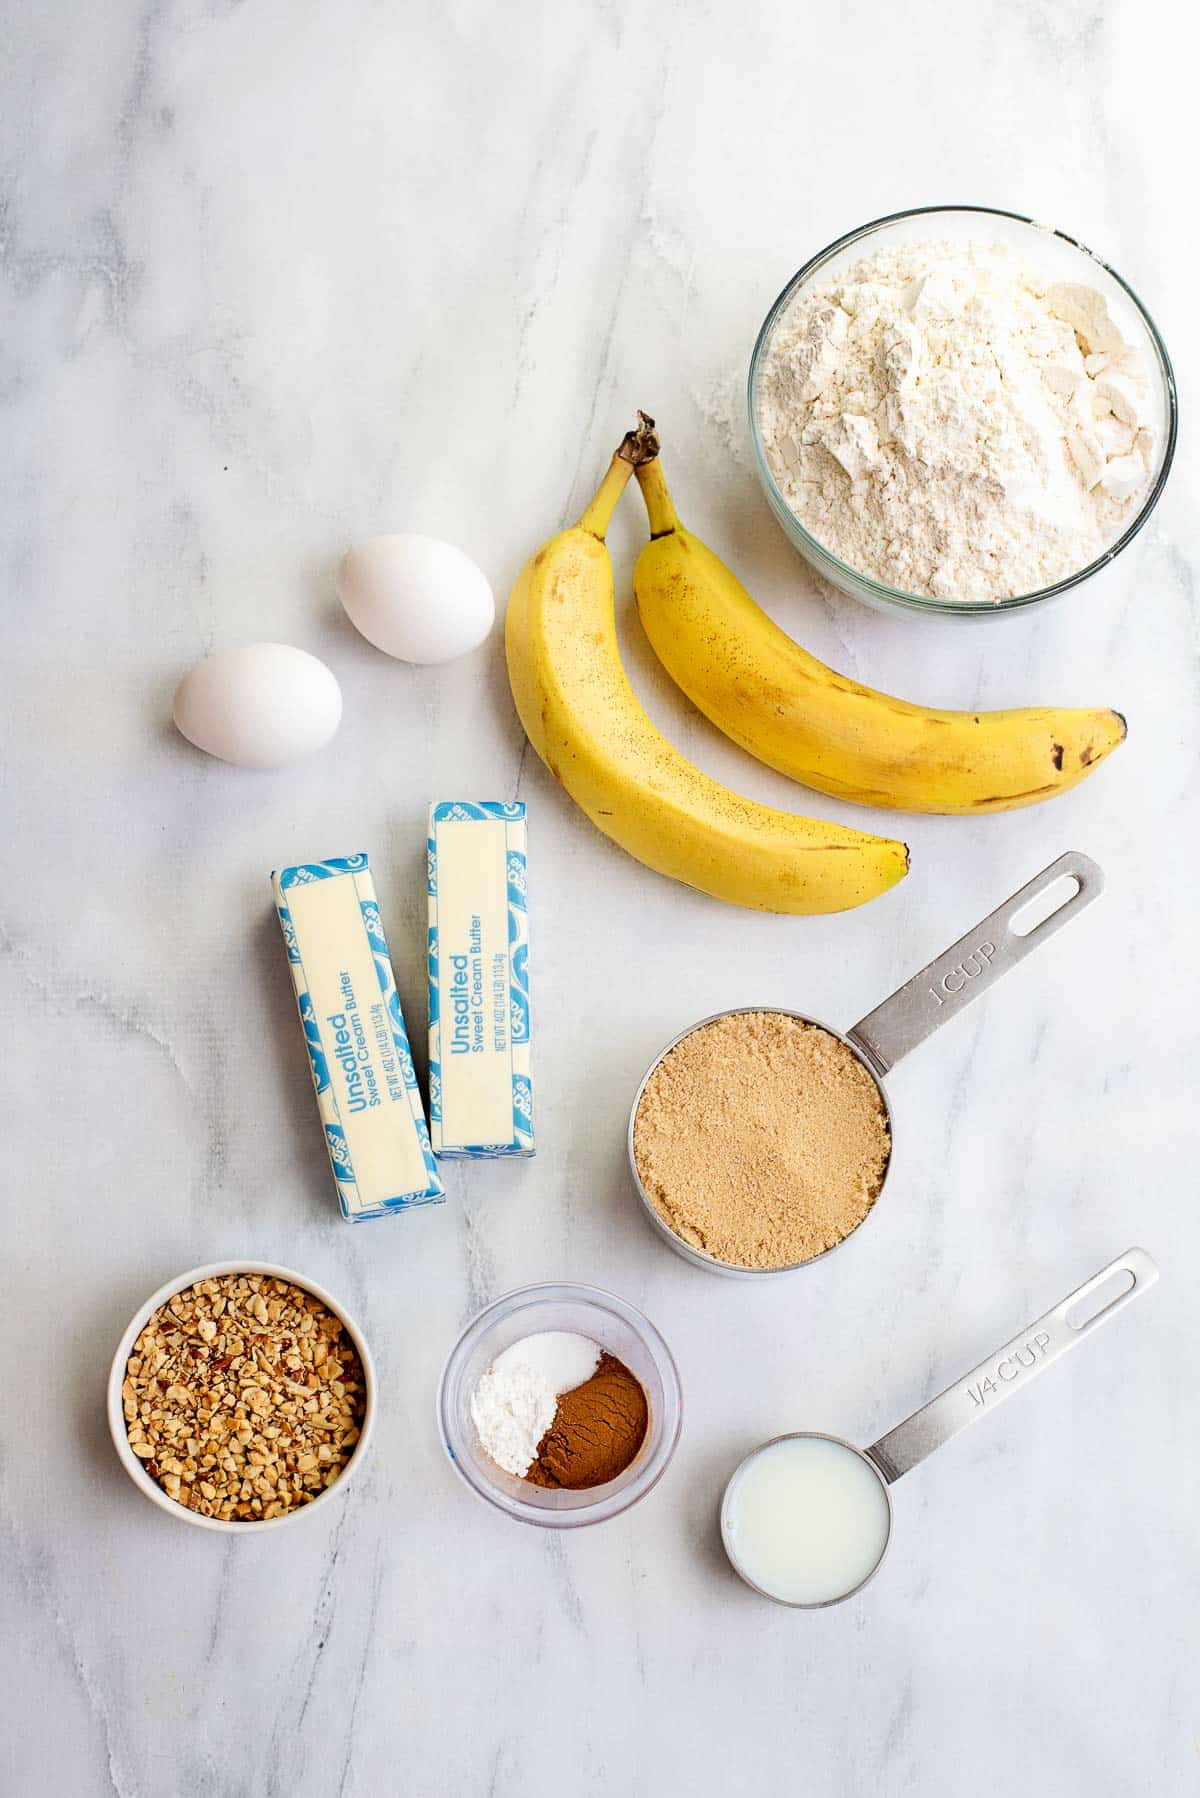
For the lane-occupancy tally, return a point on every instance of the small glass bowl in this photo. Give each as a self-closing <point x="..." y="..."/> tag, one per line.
<point x="618" y="1328"/>
<point x="1051" y="253"/>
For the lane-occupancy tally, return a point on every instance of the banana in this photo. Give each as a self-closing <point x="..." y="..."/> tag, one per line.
<point x="584" y="720"/>
<point x="792" y="712"/>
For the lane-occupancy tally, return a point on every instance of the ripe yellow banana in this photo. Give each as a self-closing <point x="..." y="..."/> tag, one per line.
<point x="584" y="720"/>
<point x="792" y="712"/>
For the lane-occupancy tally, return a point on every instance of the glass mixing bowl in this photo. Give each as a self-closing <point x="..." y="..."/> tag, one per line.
<point x="1049" y="252"/>
<point x="618" y="1328"/>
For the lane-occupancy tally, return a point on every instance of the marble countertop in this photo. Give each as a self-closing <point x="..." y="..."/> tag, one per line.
<point x="275" y="277"/>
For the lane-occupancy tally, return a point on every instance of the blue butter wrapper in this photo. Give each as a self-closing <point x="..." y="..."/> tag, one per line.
<point x="362" y="1067"/>
<point x="480" y="1089"/>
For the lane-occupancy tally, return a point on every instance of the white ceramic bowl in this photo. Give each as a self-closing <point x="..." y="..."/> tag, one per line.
<point x="116" y="1413"/>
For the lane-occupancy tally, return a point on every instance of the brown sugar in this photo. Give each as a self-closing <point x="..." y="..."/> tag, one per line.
<point x="761" y="1140"/>
<point x="597" y="1430"/>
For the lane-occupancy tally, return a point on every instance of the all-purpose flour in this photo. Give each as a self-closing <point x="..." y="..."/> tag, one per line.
<point x="516" y="1400"/>
<point x="949" y="424"/>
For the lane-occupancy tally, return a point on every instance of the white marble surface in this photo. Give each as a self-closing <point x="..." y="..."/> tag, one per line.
<point x="274" y="276"/>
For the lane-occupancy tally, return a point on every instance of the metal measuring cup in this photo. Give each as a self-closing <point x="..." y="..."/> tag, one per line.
<point x="968" y="1399"/>
<point x="922" y="1005"/>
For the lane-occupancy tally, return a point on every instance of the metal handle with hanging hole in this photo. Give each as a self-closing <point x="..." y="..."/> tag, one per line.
<point x="972" y="964"/>
<point x="1011" y="1367"/>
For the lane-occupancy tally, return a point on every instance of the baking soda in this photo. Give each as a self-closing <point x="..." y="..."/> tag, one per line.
<point x="516" y="1401"/>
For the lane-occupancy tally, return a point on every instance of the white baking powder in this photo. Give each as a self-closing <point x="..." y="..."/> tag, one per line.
<point x="949" y="424"/>
<point x="515" y="1402"/>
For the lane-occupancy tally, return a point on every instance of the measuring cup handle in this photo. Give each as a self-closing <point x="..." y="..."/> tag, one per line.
<point x="989" y="1384"/>
<point x="971" y="965"/>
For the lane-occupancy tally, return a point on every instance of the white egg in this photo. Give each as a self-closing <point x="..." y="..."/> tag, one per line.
<point x="261" y="706"/>
<point x="416" y="597"/>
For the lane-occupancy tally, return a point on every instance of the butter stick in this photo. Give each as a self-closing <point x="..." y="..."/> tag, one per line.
<point x="480" y="1094"/>
<point x="362" y="1069"/>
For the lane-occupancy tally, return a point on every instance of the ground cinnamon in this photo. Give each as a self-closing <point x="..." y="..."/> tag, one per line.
<point x="598" y="1429"/>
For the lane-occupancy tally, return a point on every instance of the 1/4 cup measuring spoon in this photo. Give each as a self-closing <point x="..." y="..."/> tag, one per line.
<point x="807" y="1518"/>
<point x="912" y="1013"/>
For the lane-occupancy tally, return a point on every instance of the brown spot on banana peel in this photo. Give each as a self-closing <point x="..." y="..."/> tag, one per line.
<point x="1013" y="801"/>
<point x="1056" y="755"/>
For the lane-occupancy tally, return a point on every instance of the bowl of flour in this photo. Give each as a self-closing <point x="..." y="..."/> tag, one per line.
<point x="960" y="411"/>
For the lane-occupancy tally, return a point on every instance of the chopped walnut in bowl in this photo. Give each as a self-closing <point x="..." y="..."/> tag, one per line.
<point x="240" y="1395"/>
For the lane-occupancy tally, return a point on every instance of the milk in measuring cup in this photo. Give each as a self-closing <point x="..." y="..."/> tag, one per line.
<point x="806" y="1519"/>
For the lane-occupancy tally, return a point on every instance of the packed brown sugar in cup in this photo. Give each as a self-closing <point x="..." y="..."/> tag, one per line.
<point x="761" y="1140"/>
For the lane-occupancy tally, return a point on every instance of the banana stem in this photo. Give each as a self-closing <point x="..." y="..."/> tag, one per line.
<point x="636" y="447"/>
<point x="598" y="513"/>
<point x="663" y="517"/>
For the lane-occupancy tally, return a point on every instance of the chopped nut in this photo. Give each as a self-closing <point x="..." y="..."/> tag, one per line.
<point x="243" y="1397"/>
